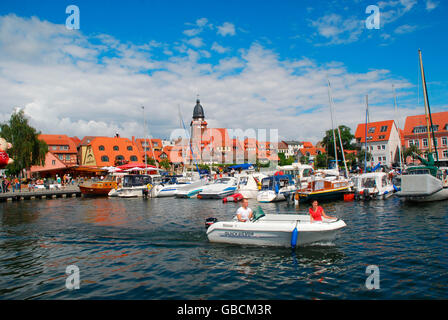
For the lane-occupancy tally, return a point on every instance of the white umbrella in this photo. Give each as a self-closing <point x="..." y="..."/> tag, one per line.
<point x="134" y="169"/>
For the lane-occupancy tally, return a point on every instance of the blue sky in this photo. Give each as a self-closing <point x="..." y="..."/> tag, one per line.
<point x="265" y="61"/>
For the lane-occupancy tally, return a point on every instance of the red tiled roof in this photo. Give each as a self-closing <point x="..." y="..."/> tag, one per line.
<point x="375" y="133"/>
<point x="438" y="118"/>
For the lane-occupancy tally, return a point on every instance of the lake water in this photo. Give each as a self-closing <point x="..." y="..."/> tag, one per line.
<point x="157" y="249"/>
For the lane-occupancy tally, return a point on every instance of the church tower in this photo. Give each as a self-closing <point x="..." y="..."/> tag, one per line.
<point x="198" y="126"/>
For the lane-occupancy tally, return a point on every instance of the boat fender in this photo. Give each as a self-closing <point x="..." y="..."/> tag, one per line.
<point x="294" y="237"/>
<point x="395" y="188"/>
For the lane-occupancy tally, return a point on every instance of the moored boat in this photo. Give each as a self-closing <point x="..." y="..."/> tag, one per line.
<point x="373" y="185"/>
<point x="98" y="187"/>
<point x="324" y="190"/>
<point x="221" y="188"/>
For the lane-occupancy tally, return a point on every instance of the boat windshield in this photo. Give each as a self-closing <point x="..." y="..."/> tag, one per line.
<point x="136" y="180"/>
<point x="419" y="171"/>
<point x="223" y="180"/>
<point x="368" y="183"/>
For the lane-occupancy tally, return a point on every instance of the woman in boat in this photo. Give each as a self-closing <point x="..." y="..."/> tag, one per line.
<point x="317" y="212"/>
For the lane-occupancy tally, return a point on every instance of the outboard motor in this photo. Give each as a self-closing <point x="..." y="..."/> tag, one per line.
<point x="210" y="221"/>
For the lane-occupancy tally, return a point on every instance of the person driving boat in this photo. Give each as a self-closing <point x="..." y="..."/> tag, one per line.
<point x="244" y="213"/>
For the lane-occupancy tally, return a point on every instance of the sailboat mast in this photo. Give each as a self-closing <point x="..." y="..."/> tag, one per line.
<point x="398" y="129"/>
<point x="365" y="142"/>
<point x="144" y="133"/>
<point x="427" y="109"/>
<point x="332" y="125"/>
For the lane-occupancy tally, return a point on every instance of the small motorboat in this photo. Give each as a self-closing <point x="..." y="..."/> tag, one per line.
<point x="276" y="188"/>
<point x="280" y="230"/>
<point x="250" y="184"/>
<point x="221" y="188"/>
<point x="134" y="185"/>
<point x="98" y="187"/>
<point x="322" y="189"/>
<point x="373" y="185"/>
<point x="233" y="198"/>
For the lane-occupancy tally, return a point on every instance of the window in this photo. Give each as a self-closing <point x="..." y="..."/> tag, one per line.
<point x="54" y="147"/>
<point x="384" y="158"/>
<point x="67" y="157"/>
<point x="369" y="138"/>
<point x="119" y="157"/>
<point x="419" y="129"/>
<point x="371" y="130"/>
<point x="425" y="142"/>
<point x="445" y="153"/>
<point x="382" y="137"/>
<point x="383" y="147"/>
<point x="379" y="147"/>
<point x="129" y="148"/>
<point x="383" y="129"/>
<point x="101" y="148"/>
<point x="105" y="159"/>
<point x="61" y="157"/>
<point x="53" y="162"/>
<point x="133" y="158"/>
<point x="444" y="141"/>
<point x="116" y="148"/>
<point x="156" y="144"/>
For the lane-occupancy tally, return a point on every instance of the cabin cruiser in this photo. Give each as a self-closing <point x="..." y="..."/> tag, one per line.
<point x="193" y="189"/>
<point x="276" y="188"/>
<point x="221" y="188"/>
<point x="281" y="230"/>
<point x="134" y="185"/>
<point x="301" y="173"/>
<point x="250" y="184"/>
<point x="373" y="185"/>
<point x="323" y="189"/>
<point x="424" y="183"/>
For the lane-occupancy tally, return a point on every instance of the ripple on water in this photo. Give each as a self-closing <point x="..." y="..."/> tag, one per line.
<point x="157" y="249"/>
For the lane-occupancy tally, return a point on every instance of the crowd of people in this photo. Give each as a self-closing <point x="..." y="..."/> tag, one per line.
<point x="16" y="184"/>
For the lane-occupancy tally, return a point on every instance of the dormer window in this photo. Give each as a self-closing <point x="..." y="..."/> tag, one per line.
<point x="116" y="148"/>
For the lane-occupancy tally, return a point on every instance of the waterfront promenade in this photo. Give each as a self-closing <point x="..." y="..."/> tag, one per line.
<point x="24" y="194"/>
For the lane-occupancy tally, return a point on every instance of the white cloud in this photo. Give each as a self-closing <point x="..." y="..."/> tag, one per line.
<point x="226" y="29"/>
<point x="406" y="28"/>
<point x="71" y="83"/>
<point x="337" y="29"/>
<point x="195" y="42"/>
<point x="431" y="5"/>
<point x="218" y="48"/>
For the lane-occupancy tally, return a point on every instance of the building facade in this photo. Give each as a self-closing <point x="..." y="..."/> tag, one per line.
<point x="383" y="142"/>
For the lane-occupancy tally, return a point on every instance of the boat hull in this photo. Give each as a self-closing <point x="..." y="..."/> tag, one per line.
<point x="326" y="195"/>
<point x="95" y="191"/>
<point x="271" y="232"/>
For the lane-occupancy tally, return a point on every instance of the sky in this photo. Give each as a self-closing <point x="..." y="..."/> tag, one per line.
<point x="260" y="64"/>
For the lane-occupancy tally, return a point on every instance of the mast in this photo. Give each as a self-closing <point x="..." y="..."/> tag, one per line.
<point x="332" y="126"/>
<point x="144" y="134"/>
<point x="365" y="142"/>
<point x="398" y="129"/>
<point x="427" y="110"/>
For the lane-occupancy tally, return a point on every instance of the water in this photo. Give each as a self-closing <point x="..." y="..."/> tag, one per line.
<point x="157" y="249"/>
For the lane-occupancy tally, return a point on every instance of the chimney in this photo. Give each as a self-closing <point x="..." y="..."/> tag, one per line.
<point x="133" y="139"/>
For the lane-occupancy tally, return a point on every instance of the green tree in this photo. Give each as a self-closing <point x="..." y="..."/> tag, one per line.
<point x="321" y="161"/>
<point x="27" y="149"/>
<point x="165" y="164"/>
<point x="410" y="151"/>
<point x="346" y="137"/>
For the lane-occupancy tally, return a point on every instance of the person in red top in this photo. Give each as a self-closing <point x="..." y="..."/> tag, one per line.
<point x="317" y="212"/>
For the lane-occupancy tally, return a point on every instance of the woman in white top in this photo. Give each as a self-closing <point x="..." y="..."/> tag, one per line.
<point x="244" y="213"/>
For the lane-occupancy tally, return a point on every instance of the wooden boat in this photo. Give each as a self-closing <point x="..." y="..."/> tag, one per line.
<point x="99" y="187"/>
<point x="323" y="190"/>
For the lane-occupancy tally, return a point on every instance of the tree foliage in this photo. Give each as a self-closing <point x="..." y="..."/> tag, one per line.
<point x="27" y="149"/>
<point x="346" y="138"/>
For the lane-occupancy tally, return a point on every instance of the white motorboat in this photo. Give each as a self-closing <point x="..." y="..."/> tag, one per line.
<point x="276" y="188"/>
<point x="192" y="190"/>
<point x="281" y="230"/>
<point x="423" y="184"/>
<point x="301" y="173"/>
<point x="249" y="184"/>
<point x="373" y="185"/>
<point x="221" y="188"/>
<point x="134" y="185"/>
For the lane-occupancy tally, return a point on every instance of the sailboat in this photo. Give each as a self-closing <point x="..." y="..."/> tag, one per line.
<point x="424" y="183"/>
